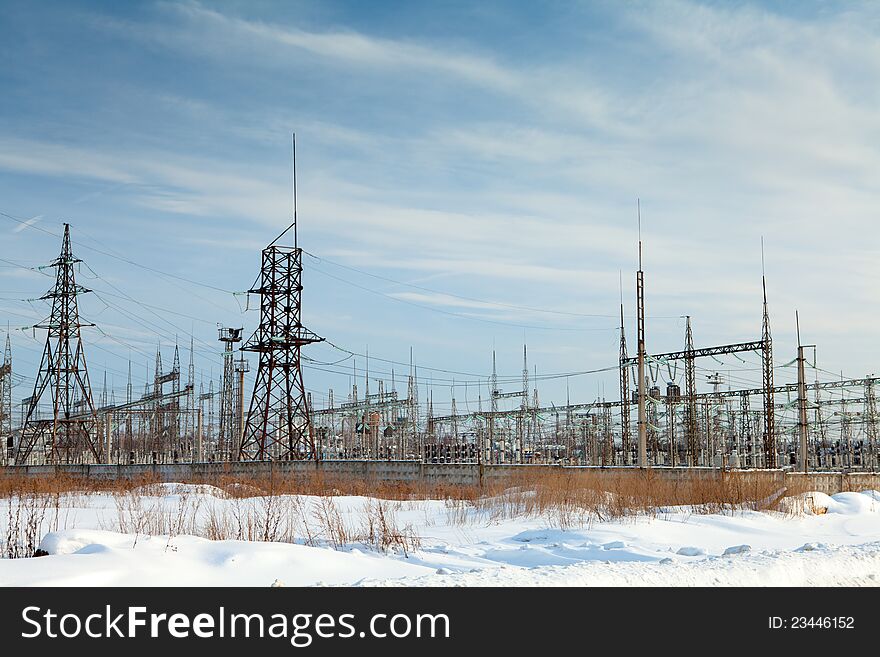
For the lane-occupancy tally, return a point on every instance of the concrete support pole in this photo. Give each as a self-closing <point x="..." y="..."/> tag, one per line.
<point x="200" y="450"/>
<point x="242" y="420"/>
<point x="803" y="455"/>
<point x="108" y="448"/>
<point x="803" y="429"/>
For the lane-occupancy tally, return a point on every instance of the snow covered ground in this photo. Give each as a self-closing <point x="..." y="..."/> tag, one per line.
<point x="838" y="545"/>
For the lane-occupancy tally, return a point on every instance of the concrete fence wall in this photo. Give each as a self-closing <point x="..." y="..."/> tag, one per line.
<point x="464" y="474"/>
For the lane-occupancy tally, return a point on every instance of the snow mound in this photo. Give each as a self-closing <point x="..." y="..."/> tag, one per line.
<point x="737" y="549"/>
<point x="239" y="489"/>
<point x="690" y="551"/>
<point x="542" y="536"/>
<point x="853" y="503"/>
<point x="81" y="541"/>
<point x="172" y="489"/>
<point x="811" y="547"/>
<point x="852" y="565"/>
<point x="850" y="503"/>
<point x="102" y="558"/>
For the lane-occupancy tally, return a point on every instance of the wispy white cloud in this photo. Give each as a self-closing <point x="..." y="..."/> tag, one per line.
<point x="445" y="300"/>
<point x="508" y="178"/>
<point x="27" y="223"/>
<point x="166" y="181"/>
<point x="211" y="33"/>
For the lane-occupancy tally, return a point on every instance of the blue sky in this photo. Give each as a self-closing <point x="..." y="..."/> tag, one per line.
<point x="480" y="162"/>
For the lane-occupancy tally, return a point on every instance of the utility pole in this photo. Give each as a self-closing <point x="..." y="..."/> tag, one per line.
<point x="480" y="437"/>
<point x="174" y="424"/>
<point x="189" y="409"/>
<point x="200" y="447"/>
<point x="493" y="405"/>
<point x="129" y="435"/>
<point x="456" y="444"/>
<point x="412" y="407"/>
<point x="690" y="391"/>
<point x="533" y="414"/>
<point x="367" y="440"/>
<point x="802" y="400"/>
<point x="108" y="450"/>
<point x="569" y="443"/>
<point x="713" y="434"/>
<point x="640" y="299"/>
<point x="430" y="437"/>
<point x="331" y="406"/>
<point x="419" y="435"/>
<point x="242" y="366"/>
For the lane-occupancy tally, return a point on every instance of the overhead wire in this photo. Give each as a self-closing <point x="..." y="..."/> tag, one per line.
<point x="318" y="365"/>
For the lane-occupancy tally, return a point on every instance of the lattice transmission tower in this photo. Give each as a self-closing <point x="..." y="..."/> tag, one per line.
<point x="69" y="435"/>
<point x="229" y="433"/>
<point x="278" y="425"/>
<point x="6" y="402"/>
<point x="624" y="396"/>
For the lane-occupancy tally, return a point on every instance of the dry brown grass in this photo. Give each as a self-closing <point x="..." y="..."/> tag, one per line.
<point x="617" y="492"/>
<point x="275" y="508"/>
<point x="62" y="483"/>
<point x="575" y="497"/>
<point x="320" y="484"/>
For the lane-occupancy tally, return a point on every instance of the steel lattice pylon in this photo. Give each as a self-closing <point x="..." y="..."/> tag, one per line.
<point x="278" y="425"/>
<point x="624" y="395"/>
<point x="70" y="435"/>
<point x="6" y="401"/>
<point x="229" y="427"/>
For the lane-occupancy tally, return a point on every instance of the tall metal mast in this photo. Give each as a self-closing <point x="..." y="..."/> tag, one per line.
<point x="493" y="401"/>
<point x="640" y="302"/>
<point x="525" y="424"/>
<point x="767" y="369"/>
<point x="690" y="387"/>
